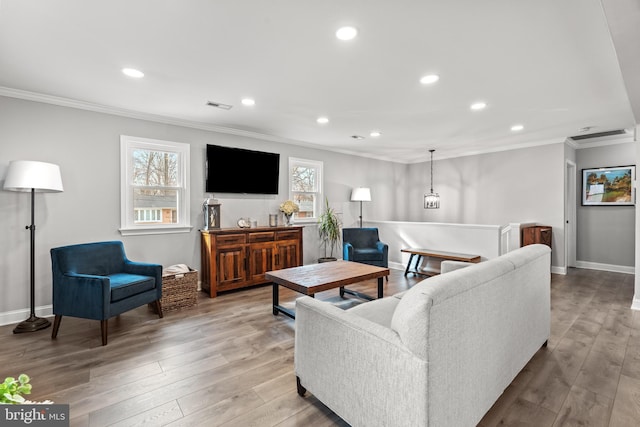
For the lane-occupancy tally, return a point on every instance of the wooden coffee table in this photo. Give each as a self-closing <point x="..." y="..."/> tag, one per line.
<point x="314" y="278"/>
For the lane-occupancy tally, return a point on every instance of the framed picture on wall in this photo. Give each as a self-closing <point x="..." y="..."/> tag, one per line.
<point x="609" y="186"/>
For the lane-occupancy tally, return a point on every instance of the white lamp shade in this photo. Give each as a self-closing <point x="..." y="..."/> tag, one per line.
<point x="24" y="175"/>
<point x="361" y="194"/>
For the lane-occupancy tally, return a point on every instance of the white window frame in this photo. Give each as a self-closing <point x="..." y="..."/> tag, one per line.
<point x="128" y="227"/>
<point x="319" y="166"/>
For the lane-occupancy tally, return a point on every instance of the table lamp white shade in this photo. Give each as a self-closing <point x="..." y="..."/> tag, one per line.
<point x="361" y="194"/>
<point x="25" y="175"/>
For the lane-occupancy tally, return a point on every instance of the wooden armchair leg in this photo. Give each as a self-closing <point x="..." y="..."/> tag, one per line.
<point x="159" y="308"/>
<point x="56" y="326"/>
<point x="103" y="328"/>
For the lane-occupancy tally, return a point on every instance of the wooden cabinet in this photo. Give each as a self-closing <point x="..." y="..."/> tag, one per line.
<point x="239" y="257"/>
<point x="536" y="234"/>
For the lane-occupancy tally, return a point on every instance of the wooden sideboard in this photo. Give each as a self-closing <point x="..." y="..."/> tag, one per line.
<point x="235" y="258"/>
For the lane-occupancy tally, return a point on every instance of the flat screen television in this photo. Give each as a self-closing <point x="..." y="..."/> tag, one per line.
<point x="237" y="170"/>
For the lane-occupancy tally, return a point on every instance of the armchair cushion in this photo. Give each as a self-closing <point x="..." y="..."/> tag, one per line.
<point x="125" y="285"/>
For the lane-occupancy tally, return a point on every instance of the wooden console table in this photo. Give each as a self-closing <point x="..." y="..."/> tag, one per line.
<point x="235" y="258"/>
<point x="434" y="258"/>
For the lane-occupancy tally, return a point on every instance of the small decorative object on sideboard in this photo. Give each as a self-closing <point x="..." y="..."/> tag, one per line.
<point x="273" y="220"/>
<point x="211" y="213"/>
<point x="244" y="222"/>
<point x="288" y="208"/>
<point x="179" y="287"/>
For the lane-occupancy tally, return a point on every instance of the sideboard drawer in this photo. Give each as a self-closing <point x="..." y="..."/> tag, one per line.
<point x="288" y="235"/>
<point x="261" y="237"/>
<point x="231" y="239"/>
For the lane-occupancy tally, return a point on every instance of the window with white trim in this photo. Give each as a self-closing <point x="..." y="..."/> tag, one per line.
<point x="154" y="183"/>
<point x="305" y="187"/>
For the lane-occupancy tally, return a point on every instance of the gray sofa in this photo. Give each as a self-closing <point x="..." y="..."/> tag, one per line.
<point x="439" y="354"/>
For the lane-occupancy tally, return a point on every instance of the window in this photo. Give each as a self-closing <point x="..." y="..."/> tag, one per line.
<point x="154" y="186"/>
<point x="305" y="187"/>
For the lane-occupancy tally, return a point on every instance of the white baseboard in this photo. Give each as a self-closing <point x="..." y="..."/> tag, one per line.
<point x="635" y="305"/>
<point x="17" y="316"/>
<point x="396" y="265"/>
<point x="606" y="267"/>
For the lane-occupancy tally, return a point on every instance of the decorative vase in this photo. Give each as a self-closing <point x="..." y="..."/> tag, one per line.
<point x="288" y="219"/>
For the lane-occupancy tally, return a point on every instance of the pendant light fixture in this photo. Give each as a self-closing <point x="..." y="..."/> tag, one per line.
<point x="431" y="200"/>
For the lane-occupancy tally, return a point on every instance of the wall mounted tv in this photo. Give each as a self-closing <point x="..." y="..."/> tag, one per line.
<point x="237" y="170"/>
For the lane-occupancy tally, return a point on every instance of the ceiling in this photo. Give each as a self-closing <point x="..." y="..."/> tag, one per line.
<point x="548" y="65"/>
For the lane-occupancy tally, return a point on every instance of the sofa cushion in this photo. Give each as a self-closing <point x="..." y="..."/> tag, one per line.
<point x="125" y="285"/>
<point x="411" y="317"/>
<point x="379" y="311"/>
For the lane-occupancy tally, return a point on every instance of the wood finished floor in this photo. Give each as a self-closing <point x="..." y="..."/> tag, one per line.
<point x="229" y="362"/>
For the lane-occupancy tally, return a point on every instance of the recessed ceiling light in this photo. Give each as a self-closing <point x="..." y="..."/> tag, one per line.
<point x="248" y="101"/>
<point x="357" y="136"/>
<point x="132" y="72"/>
<point x="346" y="33"/>
<point x="478" y="106"/>
<point x="322" y="120"/>
<point x="429" y="79"/>
<point x="517" y="128"/>
<point x="375" y="133"/>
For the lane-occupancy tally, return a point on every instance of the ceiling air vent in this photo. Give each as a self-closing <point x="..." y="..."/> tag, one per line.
<point x="598" y="135"/>
<point x="219" y="105"/>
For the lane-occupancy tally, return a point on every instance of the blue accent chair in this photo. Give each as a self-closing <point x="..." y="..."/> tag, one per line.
<point x="97" y="281"/>
<point x="363" y="245"/>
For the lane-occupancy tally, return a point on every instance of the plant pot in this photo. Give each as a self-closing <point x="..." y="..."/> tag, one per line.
<point x="327" y="259"/>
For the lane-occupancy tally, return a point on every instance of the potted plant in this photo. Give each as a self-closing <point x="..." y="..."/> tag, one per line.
<point x="329" y="231"/>
<point x="12" y="390"/>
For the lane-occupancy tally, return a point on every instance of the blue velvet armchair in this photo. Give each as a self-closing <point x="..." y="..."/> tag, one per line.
<point x="97" y="281"/>
<point x="363" y="245"/>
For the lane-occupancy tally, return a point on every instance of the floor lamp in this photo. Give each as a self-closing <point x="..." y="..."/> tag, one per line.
<point x="30" y="176"/>
<point x="361" y="194"/>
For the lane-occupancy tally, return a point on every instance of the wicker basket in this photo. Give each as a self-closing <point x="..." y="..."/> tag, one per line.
<point x="179" y="290"/>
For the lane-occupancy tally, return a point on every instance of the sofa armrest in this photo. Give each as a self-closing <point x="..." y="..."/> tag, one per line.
<point x="358" y="368"/>
<point x="447" y="266"/>
<point x="82" y="295"/>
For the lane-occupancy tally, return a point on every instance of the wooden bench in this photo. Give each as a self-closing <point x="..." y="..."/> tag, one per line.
<point x="434" y="258"/>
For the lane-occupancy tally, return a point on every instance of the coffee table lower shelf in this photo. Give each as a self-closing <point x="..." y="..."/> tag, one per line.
<point x="314" y="278"/>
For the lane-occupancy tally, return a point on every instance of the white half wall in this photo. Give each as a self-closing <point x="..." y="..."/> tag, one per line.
<point x="483" y="240"/>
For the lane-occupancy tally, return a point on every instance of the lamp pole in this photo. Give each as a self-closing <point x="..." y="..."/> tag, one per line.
<point x="33" y="323"/>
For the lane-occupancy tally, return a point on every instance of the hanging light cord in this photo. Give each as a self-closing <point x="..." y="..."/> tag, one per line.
<point x="431" y="151"/>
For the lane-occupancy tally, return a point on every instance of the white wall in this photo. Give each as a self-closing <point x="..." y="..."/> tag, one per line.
<point x="606" y="234"/>
<point x="86" y="146"/>
<point x="516" y="186"/>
